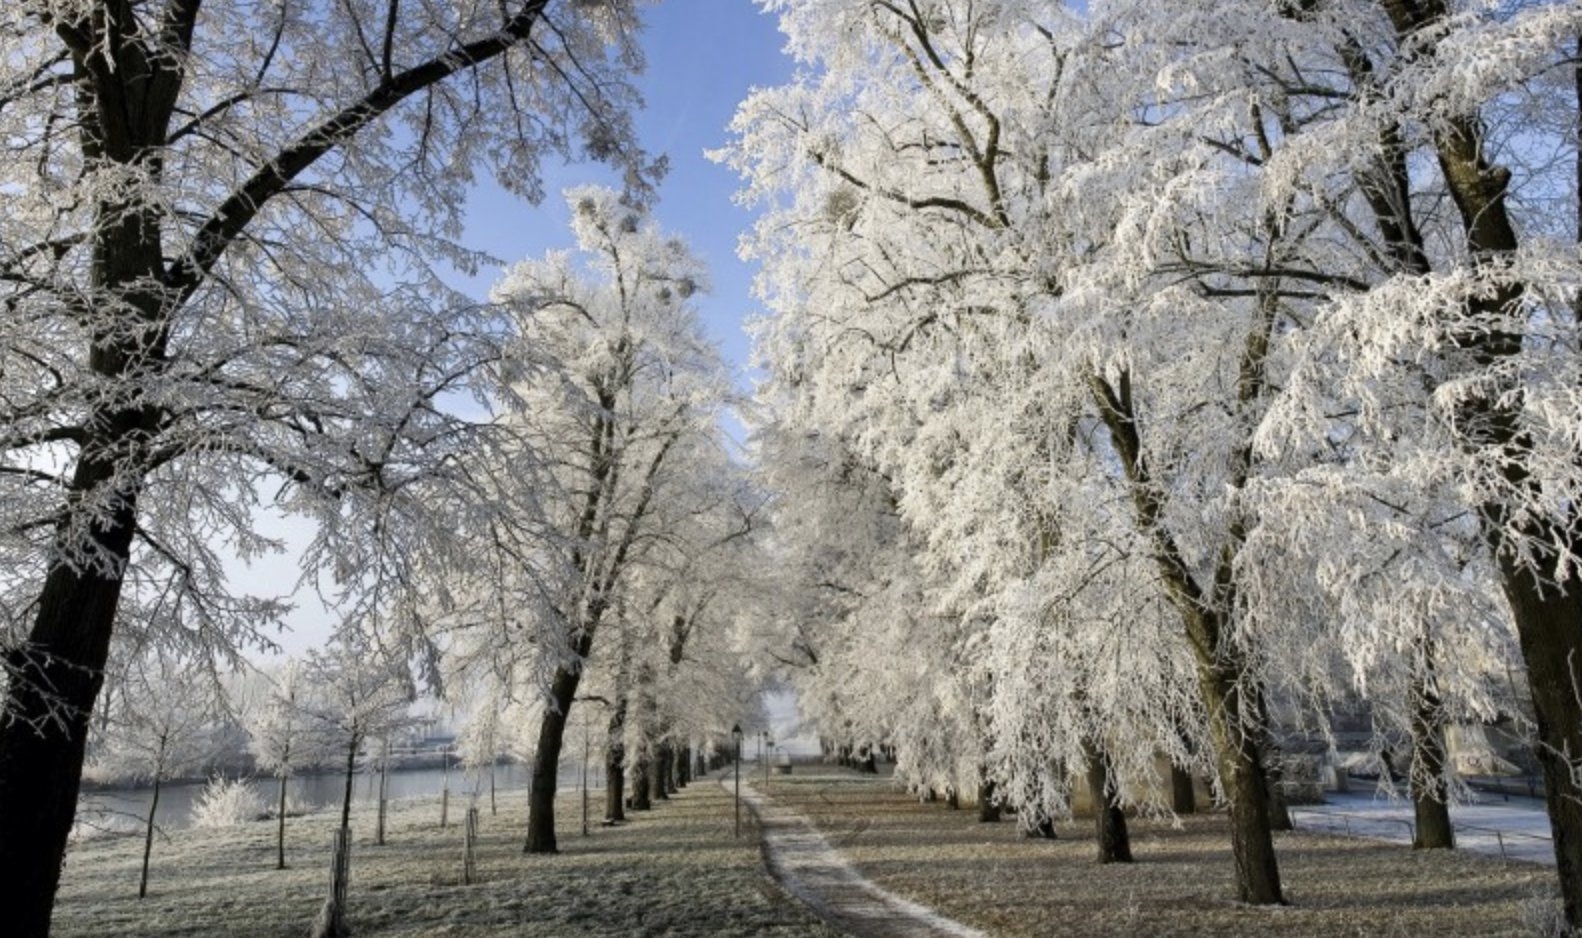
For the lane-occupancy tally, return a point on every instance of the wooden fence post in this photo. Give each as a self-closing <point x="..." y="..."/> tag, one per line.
<point x="469" y="849"/>
<point x="331" y="921"/>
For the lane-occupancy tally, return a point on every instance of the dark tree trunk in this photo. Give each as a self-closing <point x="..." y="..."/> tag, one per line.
<point x="988" y="803"/>
<point x="351" y="770"/>
<point x="1551" y="643"/>
<point x="683" y="766"/>
<point x="384" y="789"/>
<point x="1042" y="829"/>
<point x="615" y="765"/>
<point x="657" y="764"/>
<point x="280" y="826"/>
<point x="1430" y="789"/>
<point x="42" y="745"/>
<point x="1109" y="820"/>
<point x="868" y="764"/>
<point x="148" y="837"/>
<point x="952" y="800"/>
<point x="1279" y="811"/>
<point x="1247" y="792"/>
<point x="642" y="780"/>
<point x="1183" y="798"/>
<point x="546" y="760"/>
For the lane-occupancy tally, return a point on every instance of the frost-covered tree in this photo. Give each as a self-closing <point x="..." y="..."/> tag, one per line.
<point x="284" y="737"/>
<point x="1453" y="360"/>
<point x="1243" y="266"/>
<point x="481" y="741"/>
<point x="620" y="393"/>
<point x="160" y="724"/>
<point x="218" y="265"/>
<point x="362" y="694"/>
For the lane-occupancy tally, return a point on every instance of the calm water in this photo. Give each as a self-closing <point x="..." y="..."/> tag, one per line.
<point x="129" y="807"/>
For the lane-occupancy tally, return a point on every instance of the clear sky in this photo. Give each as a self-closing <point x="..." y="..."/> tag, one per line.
<point x="703" y="57"/>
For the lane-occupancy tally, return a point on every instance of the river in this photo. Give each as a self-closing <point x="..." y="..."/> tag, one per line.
<point x="126" y="808"/>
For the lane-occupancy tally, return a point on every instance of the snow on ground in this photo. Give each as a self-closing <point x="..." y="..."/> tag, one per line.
<point x="674" y="871"/>
<point x="1512" y="827"/>
<point x="989" y="877"/>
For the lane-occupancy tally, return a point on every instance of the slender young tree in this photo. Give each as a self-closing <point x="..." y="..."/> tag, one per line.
<point x="162" y="726"/>
<point x="364" y="695"/>
<point x="283" y="738"/>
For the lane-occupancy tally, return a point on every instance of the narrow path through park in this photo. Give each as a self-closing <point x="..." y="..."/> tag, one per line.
<point x="807" y="867"/>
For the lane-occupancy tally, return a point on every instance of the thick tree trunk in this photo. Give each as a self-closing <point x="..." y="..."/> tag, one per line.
<point x="1430" y="790"/>
<point x="1547" y="625"/>
<point x="647" y="784"/>
<point x="1041" y="829"/>
<point x="988" y="804"/>
<point x="546" y="762"/>
<point x="642" y="780"/>
<point x="657" y="765"/>
<point x="148" y="838"/>
<point x="615" y="765"/>
<point x="1183" y="797"/>
<point x="1109" y="820"/>
<point x="1279" y="811"/>
<point x="1247" y="792"/>
<point x="56" y="677"/>
<point x="683" y="766"/>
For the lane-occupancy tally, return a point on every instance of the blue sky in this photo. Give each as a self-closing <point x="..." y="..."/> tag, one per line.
<point x="703" y="58"/>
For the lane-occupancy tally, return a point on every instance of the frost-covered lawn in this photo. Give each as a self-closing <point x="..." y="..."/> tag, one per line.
<point x="674" y="871"/>
<point x="988" y="876"/>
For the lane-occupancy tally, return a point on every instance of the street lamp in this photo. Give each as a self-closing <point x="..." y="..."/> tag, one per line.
<point x="736" y="737"/>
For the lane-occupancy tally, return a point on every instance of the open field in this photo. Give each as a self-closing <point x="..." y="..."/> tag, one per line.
<point x="673" y="871"/>
<point x="990" y="877"/>
<point x="678" y="871"/>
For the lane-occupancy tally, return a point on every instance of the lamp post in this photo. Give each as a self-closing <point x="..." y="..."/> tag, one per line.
<point x="769" y="752"/>
<point x="736" y="737"/>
